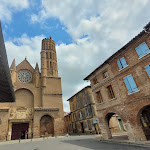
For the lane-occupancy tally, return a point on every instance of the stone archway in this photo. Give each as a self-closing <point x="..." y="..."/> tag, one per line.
<point x="46" y="126"/>
<point x="114" y="125"/>
<point x="144" y="119"/>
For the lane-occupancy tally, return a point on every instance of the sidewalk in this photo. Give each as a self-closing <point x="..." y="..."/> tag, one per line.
<point x="123" y="139"/>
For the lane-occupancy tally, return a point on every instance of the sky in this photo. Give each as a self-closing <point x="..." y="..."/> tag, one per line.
<point x="86" y="33"/>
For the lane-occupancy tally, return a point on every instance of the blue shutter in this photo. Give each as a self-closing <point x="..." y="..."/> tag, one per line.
<point x="127" y="85"/>
<point x="145" y="48"/>
<point x="139" y="51"/>
<point x="147" y="68"/>
<point x="132" y="83"/>
<point x="123" y="61"/>
<point x="119" y="64"/>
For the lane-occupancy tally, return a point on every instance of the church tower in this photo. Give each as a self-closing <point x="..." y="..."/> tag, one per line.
<point x="48" y="58"/>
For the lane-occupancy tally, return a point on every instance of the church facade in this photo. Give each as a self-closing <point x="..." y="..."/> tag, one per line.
<point x="38" y="110"/>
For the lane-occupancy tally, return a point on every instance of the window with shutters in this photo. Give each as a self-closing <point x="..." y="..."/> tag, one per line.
<point x="111" y="92"/>
<point x="122" y="63"/>
<point x="147" y="68"/>
<point x="142" y="49"/>
<point x="80" y="114"/>
<point x="89" y="125"/>
<point x="87" y="112"/>
<point x="130" y="84"/>
<point x="99" y="97"/>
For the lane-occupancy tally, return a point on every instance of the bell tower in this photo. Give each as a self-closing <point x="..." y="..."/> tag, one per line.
<point x="48" y="58"/>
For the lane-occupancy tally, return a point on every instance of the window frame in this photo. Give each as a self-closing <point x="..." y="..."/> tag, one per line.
<point x="121" y="62"/>
<point x="111" y="92"/>
<point x="130" y="86"/>
<point x="147" y="71"/>
<point x="139" y="50"/>
<point x="99" y="98"/>
<point x="105" y="74"/>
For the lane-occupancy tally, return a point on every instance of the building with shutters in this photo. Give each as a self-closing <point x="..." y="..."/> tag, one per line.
<point x="82" y="107"/>
<point x="38" y="110"/>
<point x="121" y="86"/>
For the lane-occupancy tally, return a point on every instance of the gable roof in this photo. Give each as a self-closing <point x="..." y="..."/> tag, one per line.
<point x="24" y="65"/>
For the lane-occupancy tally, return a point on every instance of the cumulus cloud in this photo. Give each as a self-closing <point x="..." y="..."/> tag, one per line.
<point x="22" y="47"/>
<point x="98" y="29"/>
<point x="7" y="7"/>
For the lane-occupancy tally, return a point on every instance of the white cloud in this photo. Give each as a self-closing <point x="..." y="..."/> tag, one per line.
<point x="98" y="29"/>
<point x="25" y="46"/>
<point x="7" y="7"/>
<point x="108" y="26"/>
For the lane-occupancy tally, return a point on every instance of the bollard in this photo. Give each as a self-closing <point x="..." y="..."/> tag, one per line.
<point x="19" y="140"/>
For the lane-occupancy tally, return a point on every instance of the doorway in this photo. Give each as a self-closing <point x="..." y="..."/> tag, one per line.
<point x="82" y="127"/>
<point x="19" y="130"/>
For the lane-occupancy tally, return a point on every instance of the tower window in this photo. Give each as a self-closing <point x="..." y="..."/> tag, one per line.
<point x="46" y="54"/>
<point x="50" y="65"/>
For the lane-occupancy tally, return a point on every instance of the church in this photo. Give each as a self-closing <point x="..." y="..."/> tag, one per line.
<point x="38" y="110"/>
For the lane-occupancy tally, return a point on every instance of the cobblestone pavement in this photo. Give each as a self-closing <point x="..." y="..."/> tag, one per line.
<point x="67" y="143"/>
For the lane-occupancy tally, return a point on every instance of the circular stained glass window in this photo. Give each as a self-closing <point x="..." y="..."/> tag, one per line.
<point x="24" y="76"/>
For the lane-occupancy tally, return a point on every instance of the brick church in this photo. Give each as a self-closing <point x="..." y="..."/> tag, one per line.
<point x="38" y="110"/>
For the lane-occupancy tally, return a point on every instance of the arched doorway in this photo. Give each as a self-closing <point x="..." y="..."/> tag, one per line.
<point x="47" y="126"/>
<point x="115" y="125"/>
<point x="21" y="115"/>
<point x="145" y="121"/>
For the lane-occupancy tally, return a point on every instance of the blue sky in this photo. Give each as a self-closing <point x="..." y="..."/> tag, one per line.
<point x="86" y="33"/>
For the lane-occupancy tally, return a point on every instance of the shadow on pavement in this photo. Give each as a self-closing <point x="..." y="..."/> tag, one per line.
<point x="94" y="144"/>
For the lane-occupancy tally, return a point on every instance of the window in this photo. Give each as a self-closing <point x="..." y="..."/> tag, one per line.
<point x="74" y="116"/>
<point x="80" y="114"/>
<point x="87" y="112"/>
<point x="89" y="125"/>
<point x="46" y="54"/>
<point x="99" y="97"/>
<point x="73" y="106"/>
<point x="50" y="55"/>
<point x="142" y="49"/>
<point x="77" y="96"/>
<point x="95" y="81"/>
<point x="121" y="63"/>
<point x="105" y="74"/>
<point x="85" y="101"/>
<point x="147" y="68"/>
<point x="83" y="93"/>
<point x="130" y="84"/>
<point x="111" y="93"/>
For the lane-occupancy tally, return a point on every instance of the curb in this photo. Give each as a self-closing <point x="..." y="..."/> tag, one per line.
<point x="125" y="142"/>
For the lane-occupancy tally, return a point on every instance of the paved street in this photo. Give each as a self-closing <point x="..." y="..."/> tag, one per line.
<point x="66" y="143"/>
